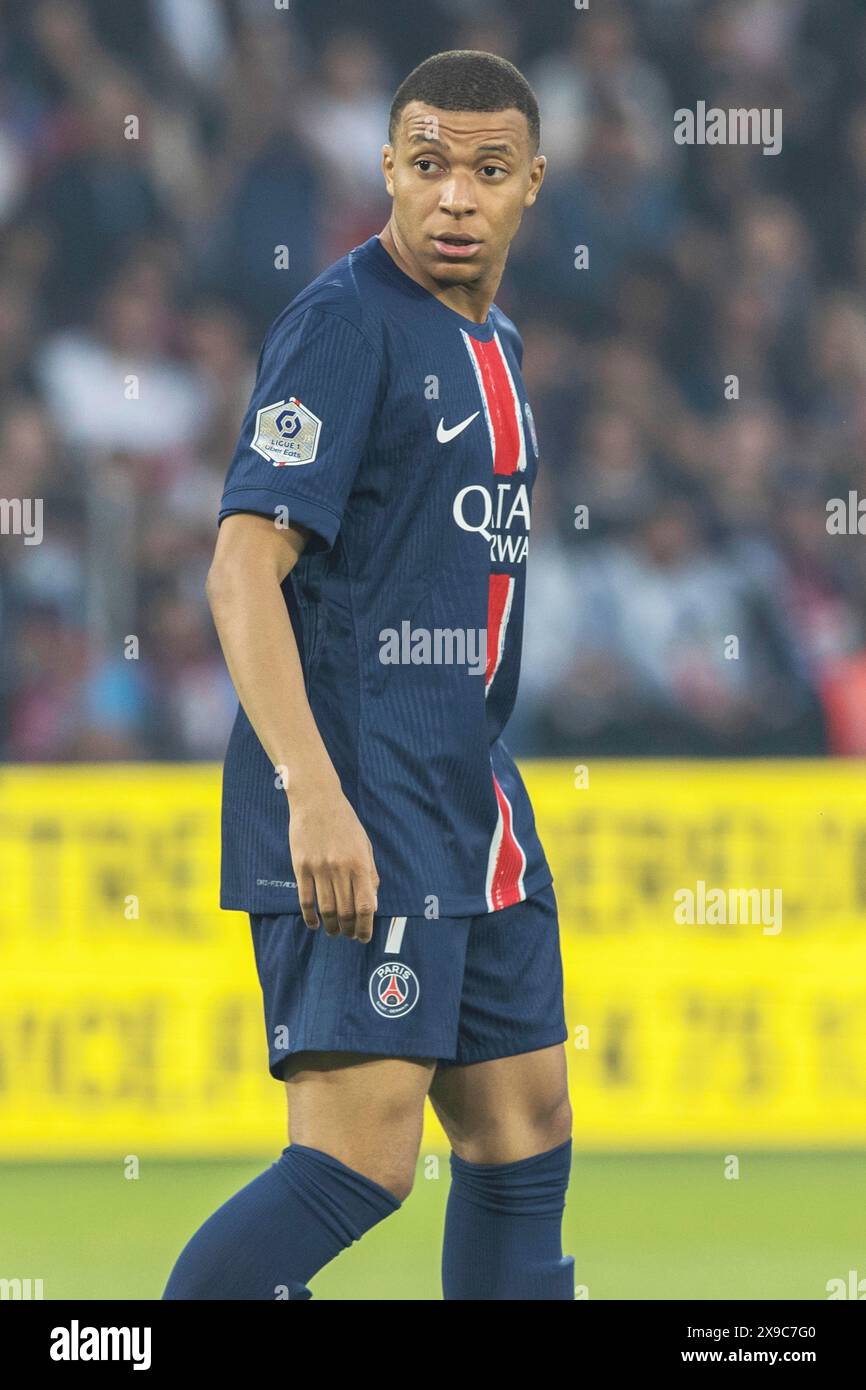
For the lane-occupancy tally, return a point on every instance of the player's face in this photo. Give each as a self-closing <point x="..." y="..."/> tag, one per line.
<point x="460" y="181"/>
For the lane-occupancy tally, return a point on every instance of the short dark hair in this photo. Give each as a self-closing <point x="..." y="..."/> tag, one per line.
<point x="464" y="79"/>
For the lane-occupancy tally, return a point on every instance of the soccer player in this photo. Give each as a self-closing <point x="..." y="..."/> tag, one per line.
<point x="368" y="591"/>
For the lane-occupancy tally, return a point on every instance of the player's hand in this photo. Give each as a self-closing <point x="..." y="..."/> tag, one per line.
<point x="333" y="862"/>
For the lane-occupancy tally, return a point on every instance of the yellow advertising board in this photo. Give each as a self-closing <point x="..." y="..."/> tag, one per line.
<point x="713" y="920"/>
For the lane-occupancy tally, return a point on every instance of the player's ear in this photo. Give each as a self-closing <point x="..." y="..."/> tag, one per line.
<point x="536" y="179"/>
<point x="388" y="167"/>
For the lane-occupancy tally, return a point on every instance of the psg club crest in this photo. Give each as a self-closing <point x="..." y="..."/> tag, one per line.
<point x="530" y="420"/>
<point x="394" y="989"/>
<point x="287" y="433"/>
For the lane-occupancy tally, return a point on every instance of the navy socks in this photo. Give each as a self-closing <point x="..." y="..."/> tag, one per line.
<point x="503" y="1229"/>
<point x="273" y="1235"/>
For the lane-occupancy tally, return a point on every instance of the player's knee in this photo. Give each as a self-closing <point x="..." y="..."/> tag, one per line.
<point x="553" y="1123"/>
<point x="386" y="1154"/>
<point x="393" y="1169"/>
<point x="545" y="1124"/>
<point x="539" y="1124"/>
<point x="396" y="1159"/>
<point x="392" y="1162"/>
<point x="545" y="1118"/>
<point x="398" y="1180"/>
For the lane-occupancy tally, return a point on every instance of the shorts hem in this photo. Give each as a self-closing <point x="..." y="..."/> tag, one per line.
<point x="469" y="1056"/>
<point x="434" y="1050"/>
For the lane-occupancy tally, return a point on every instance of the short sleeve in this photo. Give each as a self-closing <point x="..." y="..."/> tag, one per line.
<point x="307" y="424"/>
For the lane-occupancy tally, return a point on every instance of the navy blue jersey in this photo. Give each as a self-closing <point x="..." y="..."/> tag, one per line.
<point x="398" y="431"/>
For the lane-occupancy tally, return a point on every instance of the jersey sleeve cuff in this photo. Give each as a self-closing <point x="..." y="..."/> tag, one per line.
<point x="291" y="510"/>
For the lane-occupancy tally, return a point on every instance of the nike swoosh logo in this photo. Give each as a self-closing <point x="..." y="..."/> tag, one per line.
<point x="444" y="435"/>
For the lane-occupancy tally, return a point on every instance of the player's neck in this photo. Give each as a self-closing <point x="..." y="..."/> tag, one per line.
<point x="472" y="301"/>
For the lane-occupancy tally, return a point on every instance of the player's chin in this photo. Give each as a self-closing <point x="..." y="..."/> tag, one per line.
<point x="445" y="268"/>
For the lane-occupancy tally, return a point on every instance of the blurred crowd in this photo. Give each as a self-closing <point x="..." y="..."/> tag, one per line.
<point x="699" y="389"/>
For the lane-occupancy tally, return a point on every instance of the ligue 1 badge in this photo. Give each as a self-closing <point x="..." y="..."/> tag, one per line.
<point x="394" y="989"/>
<point x="287" y="433"/>
<point x="530" y="420"/>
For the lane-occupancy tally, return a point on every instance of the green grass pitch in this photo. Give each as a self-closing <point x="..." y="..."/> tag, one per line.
<point x="660" y="1226"/>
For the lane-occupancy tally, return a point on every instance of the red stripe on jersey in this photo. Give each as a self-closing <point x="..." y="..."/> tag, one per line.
<point x="505" y="874"/>
<point x="500" y="404"/>
<point x="498" y="612"/>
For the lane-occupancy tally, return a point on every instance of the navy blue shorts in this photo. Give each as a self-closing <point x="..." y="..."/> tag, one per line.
<point x="457" y="989"/>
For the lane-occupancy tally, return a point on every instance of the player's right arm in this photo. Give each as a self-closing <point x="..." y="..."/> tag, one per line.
<point x="303" y="436"/>
<point x="331" y="854"/>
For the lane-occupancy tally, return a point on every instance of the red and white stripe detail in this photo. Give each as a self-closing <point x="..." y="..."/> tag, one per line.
<point x="394" y="939"/>
<point x="506" y="863"/>
<point x="500" y="595"/>
<point x="501" y="405"/>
